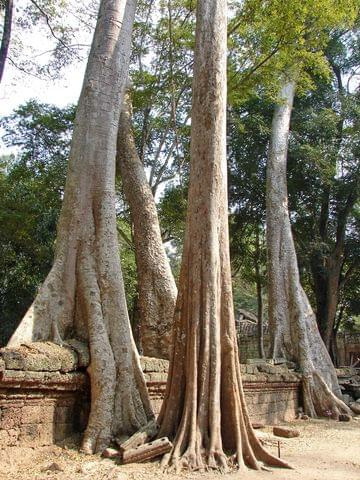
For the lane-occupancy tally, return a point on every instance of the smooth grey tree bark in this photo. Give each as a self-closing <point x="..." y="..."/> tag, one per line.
<point x="293" y="327"/>
<point x="156" y="285"/>
<point x="83" y="295"/>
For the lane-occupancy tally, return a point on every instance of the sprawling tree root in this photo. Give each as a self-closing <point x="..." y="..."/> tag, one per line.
<point x="83" y="296"/>
<point x="204" y="409"/>
<point x="320" y="401"/>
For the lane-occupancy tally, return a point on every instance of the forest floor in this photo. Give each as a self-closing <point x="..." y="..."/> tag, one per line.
<point x="325" y="450"/>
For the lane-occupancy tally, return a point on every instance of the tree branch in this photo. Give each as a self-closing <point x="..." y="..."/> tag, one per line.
<point x="5" y="41"/>
<point x="46" y="16"/>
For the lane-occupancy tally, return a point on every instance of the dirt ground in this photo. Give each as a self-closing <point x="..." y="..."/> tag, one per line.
<point x="325" y="450"/>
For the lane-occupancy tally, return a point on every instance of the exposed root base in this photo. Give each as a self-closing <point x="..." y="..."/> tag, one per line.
<point x="94" y="442"/>
<point x="201" y="462"/>
<point x="320" y="401"/>
<point x="214" y="461"/>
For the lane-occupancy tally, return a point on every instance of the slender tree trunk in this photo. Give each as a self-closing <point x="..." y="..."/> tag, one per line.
<point x="204" y="409"/>
<point x="5" y="41"/>
<point x="156" y="284"/>
<point x="135" y="324"/>
<point x="334" y="267"/>
<point x="260" y="314"/>
<point x="334" y="350"/>
<point x="293" y="327"/>
<point x="83" y="295"/>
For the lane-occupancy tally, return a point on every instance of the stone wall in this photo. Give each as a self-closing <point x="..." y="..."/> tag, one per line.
<point x="247" y="336"/>
<point x="44" y="392"/>
<point x="348" y="344"/>
<point x="272" y="393"/>
<point x="348" y="348"/>
<point x="248" y="347"/>
<point x="41" y="408"/>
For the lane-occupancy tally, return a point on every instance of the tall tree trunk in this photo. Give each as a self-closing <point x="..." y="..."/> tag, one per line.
<point x="83" y="295"/>
<point x="204" y="408"/>
<point x="156" y="284"/>
<point x="292" y="322"/>
<point x="260" y="313"/>
<point x="334" y="265"/>
<point x="5" y="41"/>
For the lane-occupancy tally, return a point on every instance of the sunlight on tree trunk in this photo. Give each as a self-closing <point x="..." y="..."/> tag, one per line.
<point x="83" y="295"/>
<point x="204" y="410"/>
<point x="293" y="327"/>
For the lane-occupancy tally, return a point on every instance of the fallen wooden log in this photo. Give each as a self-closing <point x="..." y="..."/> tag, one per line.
<point x="146" y="433"/>
<point x="147" y="451"/>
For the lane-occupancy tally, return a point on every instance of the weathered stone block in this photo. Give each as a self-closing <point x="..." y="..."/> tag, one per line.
<point x="257" y="425"/>
<point x="46" y="434"/>
<point x="9" y="417"/>
<point x="63" y="358"/>
<point x="159" y="377"/>
<point x="31" y="414"/>
<point x="285" y="432"/>
<point x="43" y="357"/>
<point x="29" y="361"/>
<point x="149" y="364"/>
<point x="29" y="435"/>
<point x="8" y="438"/>
<point x="256" y="361"/>
<point x="251" y="369"/>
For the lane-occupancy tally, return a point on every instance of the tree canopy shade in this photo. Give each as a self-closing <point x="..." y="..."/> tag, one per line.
<point x="43" y="37"/>
<point x="83" y="295"/>
<point x="31" y="188"/>
<point x="204" y="409"/>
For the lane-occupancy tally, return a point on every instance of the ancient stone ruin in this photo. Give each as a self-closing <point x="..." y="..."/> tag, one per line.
<point x="44" y="391"/>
